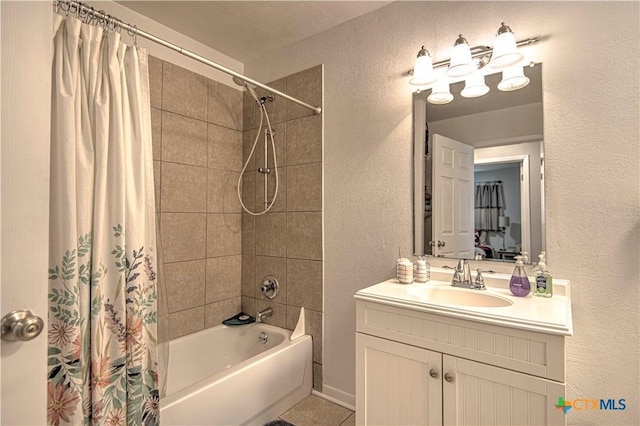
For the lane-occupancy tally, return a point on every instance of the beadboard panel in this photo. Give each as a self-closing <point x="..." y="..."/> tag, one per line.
<point x="529" y="352"/>
<point x="486" y="395"/>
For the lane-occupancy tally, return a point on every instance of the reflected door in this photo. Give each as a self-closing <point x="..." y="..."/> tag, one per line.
<point x="452" y="198"/>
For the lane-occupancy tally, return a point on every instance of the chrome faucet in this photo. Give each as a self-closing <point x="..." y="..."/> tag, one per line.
<point x="265" y="313"/>
<point x="462" y="277"/>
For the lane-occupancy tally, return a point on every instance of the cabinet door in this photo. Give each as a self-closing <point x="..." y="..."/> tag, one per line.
<point x="394" y="385"/>
<point x="480" y="394"/>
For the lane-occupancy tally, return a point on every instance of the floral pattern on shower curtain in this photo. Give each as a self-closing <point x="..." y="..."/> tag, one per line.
<point x="102" y="364"/>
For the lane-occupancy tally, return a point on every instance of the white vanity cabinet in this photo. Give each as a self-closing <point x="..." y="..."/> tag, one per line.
<point x="418" y="368"/>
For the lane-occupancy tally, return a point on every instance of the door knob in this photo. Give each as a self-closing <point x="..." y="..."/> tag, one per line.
<point x="21" y="325"/>
<point x="448" y="377"/>
<point x="441" y="243"/>
<point x="433" y="373"/>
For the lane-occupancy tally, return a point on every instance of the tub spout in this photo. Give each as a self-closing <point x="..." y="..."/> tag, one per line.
<point x="262" y="314"/>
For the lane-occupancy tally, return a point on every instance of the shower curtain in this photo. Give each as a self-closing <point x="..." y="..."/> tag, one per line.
<point x="102" y="362"/>
<point x="489" y="205"/>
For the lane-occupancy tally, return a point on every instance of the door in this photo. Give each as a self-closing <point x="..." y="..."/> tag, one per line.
<point x="396" y="384"/>
<point x="452" y="198"/>
<point x="481" y="394"/>
<point x="24" y="201"/>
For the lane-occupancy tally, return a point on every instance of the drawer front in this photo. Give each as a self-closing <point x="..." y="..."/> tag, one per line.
<point x="529" y="352"/>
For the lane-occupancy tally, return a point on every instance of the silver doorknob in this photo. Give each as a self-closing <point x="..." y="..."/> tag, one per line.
<point x="21" y="325"/>
<point x="441" y="243"/>
<point x="448" y="377"/>
<point x="433" y="373"/>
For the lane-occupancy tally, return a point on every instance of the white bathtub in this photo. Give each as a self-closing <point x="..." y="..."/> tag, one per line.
<point x="225" y="376"/>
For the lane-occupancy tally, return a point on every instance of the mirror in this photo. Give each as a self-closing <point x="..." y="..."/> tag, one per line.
<point x="479" y="173"/>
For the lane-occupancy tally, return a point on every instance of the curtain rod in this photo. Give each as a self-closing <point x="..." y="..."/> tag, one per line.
<point x="109" y="22"/>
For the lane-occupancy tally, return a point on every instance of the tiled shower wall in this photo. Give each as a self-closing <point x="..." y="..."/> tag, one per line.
<point x="287" y="242"/>
<point x="214" y="253"/>
<point x="197" y="151"/>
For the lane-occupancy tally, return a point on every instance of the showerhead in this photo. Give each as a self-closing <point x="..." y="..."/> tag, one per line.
<point x="239" y="81"/>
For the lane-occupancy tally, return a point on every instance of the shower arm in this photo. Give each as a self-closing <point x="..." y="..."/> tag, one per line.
<point x="101" y="16"/>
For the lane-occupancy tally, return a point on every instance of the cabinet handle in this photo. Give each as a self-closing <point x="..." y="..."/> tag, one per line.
<point x="433" y="373"/>
<point x="448" y="377"/>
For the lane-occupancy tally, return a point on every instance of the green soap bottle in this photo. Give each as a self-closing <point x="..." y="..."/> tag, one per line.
<point x="543" y="284"/>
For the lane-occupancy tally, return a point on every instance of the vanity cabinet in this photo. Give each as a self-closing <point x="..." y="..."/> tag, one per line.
<point x="419" y="368"/>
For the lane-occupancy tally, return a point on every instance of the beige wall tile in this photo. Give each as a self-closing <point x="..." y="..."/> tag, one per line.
<point x="184" y="92"/>
<point x="249" y="305"/>
<point x="224" y="236"/>
<point x="279" y="316"/>
<point x="317" y="382"/>
<point x="248" y="234"/>
<point x="249" y="111"/>
<point x="277" y="109"/>
<point x="225" y="148"/>
<point x="185" y="284"/>
<point x="279" y="140"/>
<point x="184" y="140"/>
<point x="304" y="283"/>
<point x="184" y="188"/>
<point x="271" y="234"/>
<point x="304" y="187"/>
<point x="157" y="178"/>
<point x="155" y="81"/>
<point x="156" y="133"/>
<point x="304" y="140"/>
<point x="183" y="236"/>
<point x="249" y="190"/>
<point x="248" y="275"/>
<point x="304" y="235"/>
<point x="248" y="138"/>
<point x="222" y="195"/>
<point x="307" y="87"/>
<point x="276" y="267"/>
<point x="215" y="313"/>
<point x="224" y="278"/>
<point x="186" y="322"/>
<point x="281" y="200"/>
<point x="225" y="105"/>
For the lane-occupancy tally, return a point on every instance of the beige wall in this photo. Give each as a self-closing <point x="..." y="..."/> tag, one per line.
<point x="286" y="242"/>
<point x="590" y="79"/>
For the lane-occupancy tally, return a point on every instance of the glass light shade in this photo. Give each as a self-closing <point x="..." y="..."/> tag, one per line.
<point x="423" y="73"/>
<point x="460" y="64"/>
<point x="505" y="51"/>
<point x="440" y="93"/>
<point x="513" y="79"/>
<point x="474" y="86"/>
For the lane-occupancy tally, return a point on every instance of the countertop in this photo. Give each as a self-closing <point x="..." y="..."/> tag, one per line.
<point x="545" y="315"/>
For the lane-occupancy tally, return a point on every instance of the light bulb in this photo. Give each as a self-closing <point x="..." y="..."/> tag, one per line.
<point x="460" y="64"/>
<point x="440" y="93"/>
<point x="513" y="79"/>
<point x="474" y="86"/>
<point x="423" y="69"/>
<point x="505" y="50"/>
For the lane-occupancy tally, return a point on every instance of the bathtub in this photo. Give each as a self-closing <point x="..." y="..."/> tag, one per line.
<point x="226" y="376"/>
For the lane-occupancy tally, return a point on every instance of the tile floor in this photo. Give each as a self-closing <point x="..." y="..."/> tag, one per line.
<point x="314" y="410"/>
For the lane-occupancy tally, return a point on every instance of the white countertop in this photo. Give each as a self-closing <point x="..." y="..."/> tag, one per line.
<point x="545" y="315"/>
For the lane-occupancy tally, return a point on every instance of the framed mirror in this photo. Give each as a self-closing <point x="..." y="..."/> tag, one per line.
<point x="479" y="173"/>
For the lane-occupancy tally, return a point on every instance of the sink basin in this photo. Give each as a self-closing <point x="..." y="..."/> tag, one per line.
<point x="461" y="297"/>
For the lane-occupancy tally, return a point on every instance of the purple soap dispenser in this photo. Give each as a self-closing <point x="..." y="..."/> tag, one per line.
<point x="519" y="283"/>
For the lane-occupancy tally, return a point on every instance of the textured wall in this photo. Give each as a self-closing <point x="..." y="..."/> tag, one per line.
<point x="590" y="79"/>
<point x="286" y="242"/>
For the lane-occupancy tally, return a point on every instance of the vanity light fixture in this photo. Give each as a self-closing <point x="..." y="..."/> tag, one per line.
<point x="513" y="79"/>
<point x="440" y="93"/>
<point x="423" y="73"/>
<point x="466" y="62"/>
<point x="461" y="63"/>
<point x="474" y="86"/>
<point x="505" y="49"/>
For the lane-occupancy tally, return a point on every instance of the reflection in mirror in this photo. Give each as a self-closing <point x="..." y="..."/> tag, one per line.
<point x="479" y="173"/>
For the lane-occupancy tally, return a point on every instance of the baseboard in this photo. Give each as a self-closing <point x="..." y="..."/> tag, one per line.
<point x="337" y="396"/>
